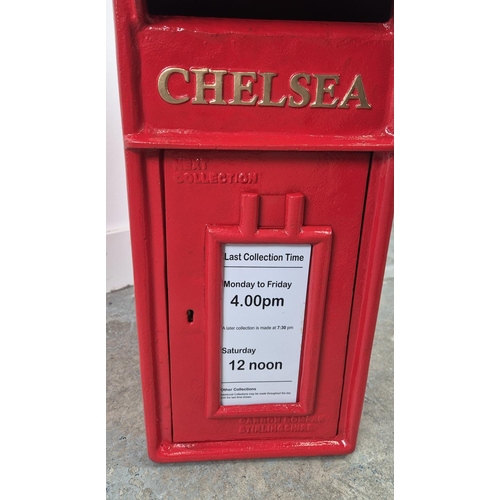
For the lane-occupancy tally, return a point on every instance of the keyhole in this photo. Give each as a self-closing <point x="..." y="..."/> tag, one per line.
<point x="190" y="314"/>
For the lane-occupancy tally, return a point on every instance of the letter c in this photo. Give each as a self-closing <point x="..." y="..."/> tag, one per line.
<point x="163" y="85"/>
<point x="178" y="177"/>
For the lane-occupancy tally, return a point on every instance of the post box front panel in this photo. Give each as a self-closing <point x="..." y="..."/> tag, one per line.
<point x="212" y="198"/>
<point x="259" y="139"/>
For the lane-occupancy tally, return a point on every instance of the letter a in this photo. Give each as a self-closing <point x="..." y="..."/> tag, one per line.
<point x="357" y="85"/>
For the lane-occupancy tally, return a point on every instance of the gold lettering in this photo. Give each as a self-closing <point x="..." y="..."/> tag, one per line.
<point x="243" y="85"/>
<point x="321" y="90"/>
<point x="163" y="85"/>
<point x="201" y="86"/>
<point x="266" y="100"/>
<point x="239" y="87"/>
<point x="357" y="85"/>
<point x="299" y="89"/>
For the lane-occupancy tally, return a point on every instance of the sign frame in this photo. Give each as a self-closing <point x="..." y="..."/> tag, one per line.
<point x="248" y="232"/>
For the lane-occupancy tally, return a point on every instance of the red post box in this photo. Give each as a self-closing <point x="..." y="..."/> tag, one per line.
<point x="259" y="158"/>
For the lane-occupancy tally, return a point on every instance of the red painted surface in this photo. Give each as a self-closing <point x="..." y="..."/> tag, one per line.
<point x="200" y="175"/>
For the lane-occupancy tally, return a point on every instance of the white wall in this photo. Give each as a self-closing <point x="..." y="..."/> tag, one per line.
<point x="118" y="254"/>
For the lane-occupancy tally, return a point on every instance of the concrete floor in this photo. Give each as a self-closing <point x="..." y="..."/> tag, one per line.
<point x="365" y="474"/>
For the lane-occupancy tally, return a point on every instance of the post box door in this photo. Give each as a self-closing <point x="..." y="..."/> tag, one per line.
<point x="225" y="210"/>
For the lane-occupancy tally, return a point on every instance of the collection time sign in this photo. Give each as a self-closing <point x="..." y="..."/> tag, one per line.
<point x="264" y="298"/>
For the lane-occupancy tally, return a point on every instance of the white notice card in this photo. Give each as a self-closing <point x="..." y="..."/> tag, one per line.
<point x="263" y="305"/>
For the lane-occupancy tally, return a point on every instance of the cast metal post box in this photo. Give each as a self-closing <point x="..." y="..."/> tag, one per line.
<point x="259" y="158"/>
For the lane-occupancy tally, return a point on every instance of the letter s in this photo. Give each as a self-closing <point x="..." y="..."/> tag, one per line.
<point x="299" y="89"/>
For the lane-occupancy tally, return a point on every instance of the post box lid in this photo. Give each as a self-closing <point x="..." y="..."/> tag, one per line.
<point x="195" y="82"/>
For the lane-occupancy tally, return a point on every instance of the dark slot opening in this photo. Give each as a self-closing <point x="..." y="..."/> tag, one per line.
<point x="190" y="314"/>
<point x="361" y="11"/>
